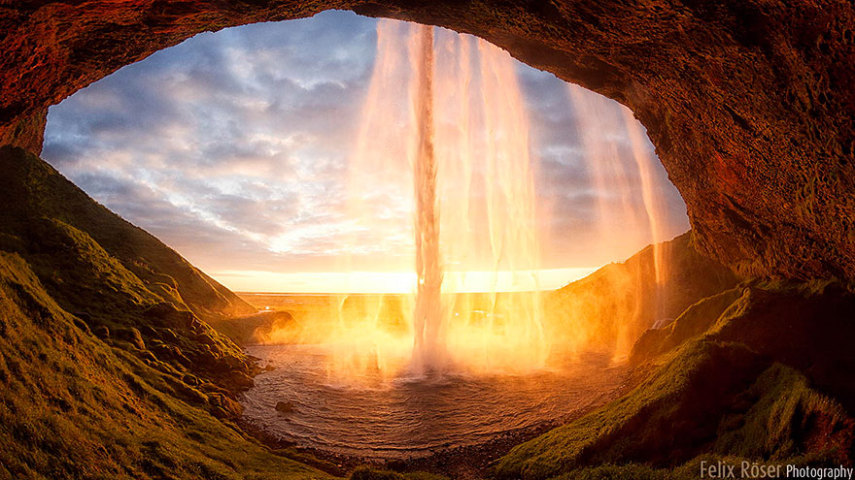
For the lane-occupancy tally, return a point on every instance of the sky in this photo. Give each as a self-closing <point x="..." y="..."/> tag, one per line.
<point x="233" y="148"/>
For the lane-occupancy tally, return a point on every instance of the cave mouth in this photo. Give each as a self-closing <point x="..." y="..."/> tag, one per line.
<point x="221" y="167"/>
<point x="220" y="142"/>
<point x="705" y="117"/>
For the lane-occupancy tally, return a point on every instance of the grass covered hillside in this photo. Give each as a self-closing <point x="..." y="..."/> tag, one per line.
<point x="76" y="406"/>
<point x="119" y="282"/>
<point x="758" y="373"/>
<point x="46" y="217"/>
<point x="108" y="368"/>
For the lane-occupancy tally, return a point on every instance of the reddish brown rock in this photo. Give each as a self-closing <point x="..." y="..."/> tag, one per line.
<point x="750" y="104"/>
<point x="26" y="132"/>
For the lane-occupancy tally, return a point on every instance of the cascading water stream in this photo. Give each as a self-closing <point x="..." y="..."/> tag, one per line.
<point x="652" y="205"/>
<point x="427" y="316"/>
<point x="603" y="125"/>
<point x="447" y="111"/>
<point x="473" y="179"/>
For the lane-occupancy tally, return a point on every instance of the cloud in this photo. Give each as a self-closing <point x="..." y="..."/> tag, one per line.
<point x="233" y="148"/>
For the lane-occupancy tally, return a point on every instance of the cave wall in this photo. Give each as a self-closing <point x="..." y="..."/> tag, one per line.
<point x="748" y="102"/>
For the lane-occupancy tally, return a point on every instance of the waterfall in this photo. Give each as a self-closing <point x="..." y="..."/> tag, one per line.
<point x="447" y="110"/>
<point x="427" y="316"/>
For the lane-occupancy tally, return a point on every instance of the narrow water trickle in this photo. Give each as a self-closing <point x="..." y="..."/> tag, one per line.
<point x="635" y="207"/>
<point x="652" y="204"/>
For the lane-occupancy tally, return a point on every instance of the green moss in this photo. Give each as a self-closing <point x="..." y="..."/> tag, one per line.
<point x="73" y="407"/>
<point x="67" y="257"/>
<point x="31" y="189"/>
<point x="136" y="403"/>
<point x="774" y="419"/>
<point x="690" y="324"/>
<point x="621" y="472"/>
<point x="730" y="386"/>
<point x="688" y="471"/>
<point x="607" y="428"/>
<point x="784" y="406"/>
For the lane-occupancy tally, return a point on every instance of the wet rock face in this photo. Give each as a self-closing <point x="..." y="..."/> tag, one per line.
<point x="750" y="104"/>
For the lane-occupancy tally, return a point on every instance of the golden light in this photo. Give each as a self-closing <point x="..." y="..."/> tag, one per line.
<point x="475" y="301"/>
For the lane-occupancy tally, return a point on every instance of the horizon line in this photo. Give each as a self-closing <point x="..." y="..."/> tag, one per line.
<point x="397" y="282"/>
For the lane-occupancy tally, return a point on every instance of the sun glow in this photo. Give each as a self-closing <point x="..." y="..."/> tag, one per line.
<point x="458" y="128"/>
<point x="397" y="282"/>
<point x="475" y="300"/>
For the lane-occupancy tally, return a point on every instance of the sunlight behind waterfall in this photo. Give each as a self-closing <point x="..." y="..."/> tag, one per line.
<point x="458" y="127"/>
<point x="445" y="137"/>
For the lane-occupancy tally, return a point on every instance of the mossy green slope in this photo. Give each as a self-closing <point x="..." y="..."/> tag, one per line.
<point x="108" y="368"/>
<point x="30" y="189"/>
<point x="764" y="380"/>
<point x="74" y="406"/>
<point x="114" y="277"/>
